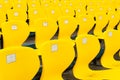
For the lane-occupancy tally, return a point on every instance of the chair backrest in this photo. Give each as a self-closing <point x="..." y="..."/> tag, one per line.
<point x="101" y="22"/>
<point x="20" y="4"/>
<point x="88" y="47"/>
<point x="5" y="4"/>
<point x="14" y="33"/>
<point x="45" y="30"/>
<point x="79" y="7"/>
<point x="112" y="45"/>
<point x="33" y="3"/>
<point x="100" y="7"/>
<point x="66" y="23"/>
<point x="118" y="6"/>
<point x="18" y="63"/>
<point x="86" y="23"/>
<point x="35" y="12"/>
<point x="113" y="15"/>
<point x="113" y="19"/>
<point x="2" y="17"/>
<point x="45" y="1"/>
<point x="110" y="6"/>
<point x="17" y="14"/>
<point x="91" y="8"/>
<point x="67" y="10"/>
<point x="118" y="27"/>
<point x="53" y="11"/>
<point x="57" y="55"/>
<point x="55" y="1"/>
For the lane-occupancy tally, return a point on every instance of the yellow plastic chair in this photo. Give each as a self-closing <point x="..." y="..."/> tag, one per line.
<point x="110" y="5"/>
<point x="80" y="8"/>
<point x="2" y="12"/>
<point x="33" y="3"/>
<point x="66" y="23"/>
<point x="118" y="27"/>
<point x="45" y="30"/>
<point x="33" y="0"/>
<point x="46" y="3"/>
<point x="95" y="7"/>
<point x="1" y="5"/>
<point x="118" y="6"/>
<point x="34" y="14"/>
<point x="2" y="18"/>
<point x="53" y="11"/>
<point x="113" y="19"/>
<point x="20" y="4"/>
<point x="57" y="55"/>
<point x="111" y="38"/>
<point x="67" y="10"/>
<point x="17" y="14"/>
<point x="101" y="8"/>
<point x="2" y="8"/>
<point x="86" y="23"/>
<point x="6" y="4"/>
<point x="59" y="4"/>
<point x="91" y="9"/>
<point x="69" y="3"/>
<point x="88" y="47"/>
<point x="101" y="22"/>
<point x="18" y="63"/>
<point x="55" y="1"/>
<point x="14" y="33"/>
<point x="81" y="69"/>
<point x="80" y="11"/>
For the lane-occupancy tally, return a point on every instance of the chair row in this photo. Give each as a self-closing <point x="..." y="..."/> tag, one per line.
<point x="23" y="63"/>
<point x="45" y="28"/>
<point x="55" y="64"/>
<point x="36" y="10"/>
